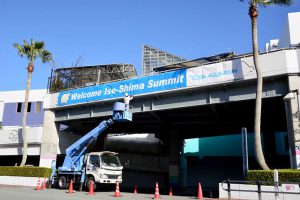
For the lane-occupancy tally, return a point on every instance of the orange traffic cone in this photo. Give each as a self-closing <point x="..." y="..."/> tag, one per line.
<point x="156" y="195"/>
<point x="71" y="187"/>
<point x="117" y="192"/>
<point x="38" y="187"/>
<point x="91" y="190"/>
<point x="170" y="193"/>
<point x="44" y="184"/>
<point x="200" y="194"/>
<point x="135" y="190"/>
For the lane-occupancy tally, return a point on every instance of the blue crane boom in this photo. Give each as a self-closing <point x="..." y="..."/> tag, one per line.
<point x="76" y="150"/>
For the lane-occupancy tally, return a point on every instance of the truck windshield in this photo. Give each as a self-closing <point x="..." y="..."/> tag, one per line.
<point x="110" y="160"/>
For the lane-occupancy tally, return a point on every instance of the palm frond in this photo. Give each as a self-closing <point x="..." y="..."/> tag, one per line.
<point x="46" y="56"/>
<point x="39" y="45"/>
<point x="25" y="42"/>
<point x="27" y="48"/>
<point x="32" y="42"/>
<point x="20" y="49"/>
<point x="33" y="50"/>
<point x="264" y="3"/>
<point x="275" y="2"/>
<point x="283" y="2"/>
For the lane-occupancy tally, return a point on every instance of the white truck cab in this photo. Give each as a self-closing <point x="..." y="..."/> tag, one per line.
<point x="103" y="167"/>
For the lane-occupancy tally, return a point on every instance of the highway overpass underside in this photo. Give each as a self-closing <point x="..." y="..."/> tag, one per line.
<point x="204" y="111"/>
<point x="197" y="121"/>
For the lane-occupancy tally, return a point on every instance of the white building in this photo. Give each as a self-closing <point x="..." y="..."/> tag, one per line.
<point x="11" y="109"/>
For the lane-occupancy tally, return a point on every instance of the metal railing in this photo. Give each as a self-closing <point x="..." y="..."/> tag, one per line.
<point x="259" y="185"/>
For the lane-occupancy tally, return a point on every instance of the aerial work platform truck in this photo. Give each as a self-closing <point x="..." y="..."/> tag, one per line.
<point x="96" y="167"/>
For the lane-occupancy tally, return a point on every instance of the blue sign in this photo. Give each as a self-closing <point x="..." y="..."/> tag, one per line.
<point x="144" y="85"/>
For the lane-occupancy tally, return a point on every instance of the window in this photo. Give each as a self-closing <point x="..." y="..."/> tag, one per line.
<point x="19" y="107"/>
<point x="94" y="160"/>
<point x="38" y="106"/>
<point x="29" y="107"/>
<point x="110" y="160"/>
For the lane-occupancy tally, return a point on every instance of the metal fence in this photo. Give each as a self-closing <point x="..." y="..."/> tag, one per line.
<point x="228" y="183"/>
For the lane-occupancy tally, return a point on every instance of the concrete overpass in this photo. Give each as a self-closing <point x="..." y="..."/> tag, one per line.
<point x="203" y="111"/>
<point x="228" y="103"/>
<point x="208" y="100"/>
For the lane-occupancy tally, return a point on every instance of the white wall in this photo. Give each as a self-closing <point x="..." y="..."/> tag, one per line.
<point x="17" y="151"/>
<point x="11" y="141"/>
<point x="20" y="181"/>
<point x="273" y="63"/>
<point x="1" y="110"/>
<point x="294" y="21"/>
<point x="19" y="95"/>
<point x="50" y="100"/>
<point x="291" y="33"/>
<point x="14" y="136"/>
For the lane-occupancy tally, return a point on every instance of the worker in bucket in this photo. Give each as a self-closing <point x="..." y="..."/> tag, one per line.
<point x="127" y="99"/>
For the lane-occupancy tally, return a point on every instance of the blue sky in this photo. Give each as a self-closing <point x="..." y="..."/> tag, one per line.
<point x="114" y="31"/>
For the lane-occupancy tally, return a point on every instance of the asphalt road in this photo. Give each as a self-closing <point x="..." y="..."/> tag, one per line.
<point x="10" y="193"/>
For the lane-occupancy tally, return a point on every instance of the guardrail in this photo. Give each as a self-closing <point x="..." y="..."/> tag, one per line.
<point x="259" y="189"/>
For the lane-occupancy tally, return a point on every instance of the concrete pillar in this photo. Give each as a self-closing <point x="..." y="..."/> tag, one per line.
<point x="174" y="161"/>
<point x="293" y="121"/>
<point x="49" y="140"/>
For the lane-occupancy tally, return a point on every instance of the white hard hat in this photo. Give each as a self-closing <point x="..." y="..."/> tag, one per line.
<point x="126" y="94"/>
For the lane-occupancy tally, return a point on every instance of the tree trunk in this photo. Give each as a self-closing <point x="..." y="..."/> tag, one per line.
<point x="24" y="132"/>
<point x="258" y="102"/>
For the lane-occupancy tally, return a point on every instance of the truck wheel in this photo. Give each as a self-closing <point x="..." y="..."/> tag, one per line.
<point x="48" y="184"/>
<point x="89" y="180"/>
<point x="62" y="182"/>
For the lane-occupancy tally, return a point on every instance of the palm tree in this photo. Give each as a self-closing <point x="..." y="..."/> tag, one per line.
<point x="253" y="13"/>
<point x="32" y="51"/>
